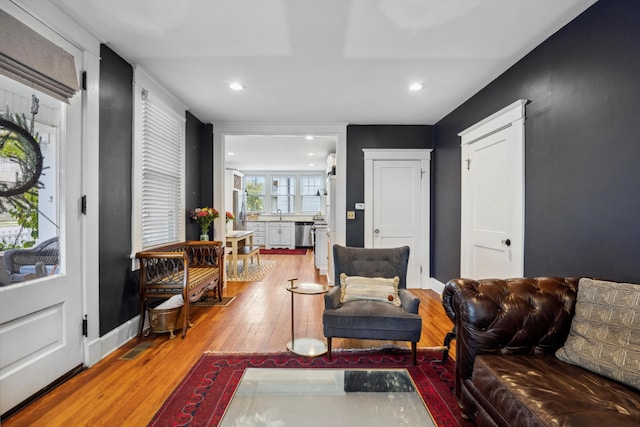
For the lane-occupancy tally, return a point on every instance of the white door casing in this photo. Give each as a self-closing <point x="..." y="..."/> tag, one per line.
<point x="492" y="204"/>
<point x="397" y="206"/>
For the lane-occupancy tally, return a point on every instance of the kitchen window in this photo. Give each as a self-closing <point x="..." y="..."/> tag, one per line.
<point x="283" y="194"/>
<point x="255" y="188"/>
<point x="311" y="193"/>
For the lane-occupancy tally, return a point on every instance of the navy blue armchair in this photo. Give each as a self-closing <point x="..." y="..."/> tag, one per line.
<point x="372" y="319"/>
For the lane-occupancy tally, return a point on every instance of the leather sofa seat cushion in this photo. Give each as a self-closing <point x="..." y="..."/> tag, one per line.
<point x="542" y="390"/>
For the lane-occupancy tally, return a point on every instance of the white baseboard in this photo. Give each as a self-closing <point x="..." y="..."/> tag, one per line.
<point x="105" y="345"/>
<point x="436" y="285"/>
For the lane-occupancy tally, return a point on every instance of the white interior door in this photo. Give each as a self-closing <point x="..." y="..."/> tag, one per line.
<point x="41" y="318"/>
<point x="399" y="213"/>
<point x="492" y="198"/>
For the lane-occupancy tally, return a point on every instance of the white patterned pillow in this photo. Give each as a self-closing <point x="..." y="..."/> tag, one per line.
<point x="605" y="331"/>
<point x="369" y="288"/>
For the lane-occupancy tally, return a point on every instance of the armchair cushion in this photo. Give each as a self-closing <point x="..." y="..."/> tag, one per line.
<point x="369" y="288"/>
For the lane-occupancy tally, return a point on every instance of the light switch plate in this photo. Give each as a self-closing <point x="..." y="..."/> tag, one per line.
<point x="351" y="214"/>
<point x="360" y="206"/>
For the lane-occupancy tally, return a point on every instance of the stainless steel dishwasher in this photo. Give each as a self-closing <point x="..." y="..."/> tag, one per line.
<point x="303" y="234"/>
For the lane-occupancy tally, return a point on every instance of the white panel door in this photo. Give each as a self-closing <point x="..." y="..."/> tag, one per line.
<point x="492" y="232"/>
<point x="397" y="192"/>
<point x="41" y="336"/>
<point x="491" y="198"/>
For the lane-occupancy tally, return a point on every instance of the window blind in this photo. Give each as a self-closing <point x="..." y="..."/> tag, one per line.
<point x="162" y="173"/>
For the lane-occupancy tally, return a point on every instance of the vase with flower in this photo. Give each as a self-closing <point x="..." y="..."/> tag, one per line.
<point x="204" y="217"/>
<point x="228" y="217"/>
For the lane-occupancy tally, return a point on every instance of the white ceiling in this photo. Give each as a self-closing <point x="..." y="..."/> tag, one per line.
<point x="278" y="153"/>
<point x="323" y="61"/>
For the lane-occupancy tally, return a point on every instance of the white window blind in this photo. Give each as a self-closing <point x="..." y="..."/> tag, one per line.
<point x="162" y="172"/>
<point x="311" y="194"/>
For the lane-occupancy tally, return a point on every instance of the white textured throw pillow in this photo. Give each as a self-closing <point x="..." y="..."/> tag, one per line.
<point x="369" y="288"/>
<point x="605" y="331"/>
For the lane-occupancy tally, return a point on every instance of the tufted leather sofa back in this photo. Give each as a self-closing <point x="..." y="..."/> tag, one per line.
<point x="511" y="316"/>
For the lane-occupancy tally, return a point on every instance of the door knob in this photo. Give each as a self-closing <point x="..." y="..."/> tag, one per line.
<point x="506" y="242"/>
<point x="377" y="231"/>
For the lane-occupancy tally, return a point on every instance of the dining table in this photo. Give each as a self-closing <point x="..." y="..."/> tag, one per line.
<point x="233" y="237"/>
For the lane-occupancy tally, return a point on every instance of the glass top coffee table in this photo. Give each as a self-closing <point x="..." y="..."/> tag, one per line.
<point x="326" y="397"/>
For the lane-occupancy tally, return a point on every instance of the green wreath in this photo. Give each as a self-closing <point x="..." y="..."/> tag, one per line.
<point x="20" y="147"/>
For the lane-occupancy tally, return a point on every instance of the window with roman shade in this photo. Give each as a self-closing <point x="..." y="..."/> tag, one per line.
<point x="159" y="212"/>
<point x="35" y="61"/>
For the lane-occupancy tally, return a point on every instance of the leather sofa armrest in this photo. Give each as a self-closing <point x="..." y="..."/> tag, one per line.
<point x="410" y="302"/>
<point x="332" y="298"/>
<point x="451" y="288"/>
<point x="512" y="316"/>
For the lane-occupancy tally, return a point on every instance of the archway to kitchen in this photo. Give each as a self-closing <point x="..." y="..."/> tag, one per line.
<point x="222" y="131"/>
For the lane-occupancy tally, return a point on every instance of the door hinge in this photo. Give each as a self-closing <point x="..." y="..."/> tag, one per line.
<point x="84" y="80"/>
<point x="85" y="326"/>
<point x="468" y="164"/>
<point x="83" y="207"/>
<point x="422" y="171"/>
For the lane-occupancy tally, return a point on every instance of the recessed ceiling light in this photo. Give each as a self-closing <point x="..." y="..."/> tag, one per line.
<point x="416" y="86"/>
<point x="311" y="154"/>
<point x="236" y="86"/>
<point x="231" y="153"/>
<point x="308" y="137"/>
<point x="311" y="165"/>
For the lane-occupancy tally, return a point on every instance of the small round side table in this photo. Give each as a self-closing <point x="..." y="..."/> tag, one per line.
<point x="305" y="346"/>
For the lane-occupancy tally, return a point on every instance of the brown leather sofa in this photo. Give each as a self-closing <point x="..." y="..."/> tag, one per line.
<point x="507" y="332"/>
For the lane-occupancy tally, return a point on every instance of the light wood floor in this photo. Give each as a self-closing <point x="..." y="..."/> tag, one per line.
<point x="117" y="392"/>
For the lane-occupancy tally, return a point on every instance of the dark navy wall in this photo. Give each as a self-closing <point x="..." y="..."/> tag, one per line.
<point x="118" y="289"/>
<point x="582" y="150"/>
<point x="198" y="171"/>
<point x="119" y="299"/>
<point x="374" y="136"/>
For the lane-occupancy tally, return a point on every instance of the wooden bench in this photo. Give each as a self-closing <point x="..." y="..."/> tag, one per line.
<point x="185" y="268"/>
<point x="245" y="252"/>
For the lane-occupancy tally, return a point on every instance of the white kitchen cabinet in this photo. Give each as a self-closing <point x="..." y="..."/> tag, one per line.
<point x="280" y="234"/>
<point x="259" y="232"/>
<point x="321" y="249"/>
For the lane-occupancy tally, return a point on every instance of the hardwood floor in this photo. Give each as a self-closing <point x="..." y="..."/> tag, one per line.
<point x="117" y="392"/>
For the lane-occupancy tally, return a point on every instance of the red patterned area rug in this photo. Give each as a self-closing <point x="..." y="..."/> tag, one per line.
<point x="203" y="395"/>
<point x="283" y="251"/>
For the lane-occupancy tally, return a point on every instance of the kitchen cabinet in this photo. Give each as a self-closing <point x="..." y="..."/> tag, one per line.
<point x="280" y="234"/>
<point x="321" y="249"/>
<point x="259" y="232"/>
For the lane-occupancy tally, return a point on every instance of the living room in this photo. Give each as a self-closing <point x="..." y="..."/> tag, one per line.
<point x="581" y="145"/>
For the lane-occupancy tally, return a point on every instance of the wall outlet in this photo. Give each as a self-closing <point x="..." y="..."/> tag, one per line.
<point x="351" y="214"/>
<point x="359" y="206"/>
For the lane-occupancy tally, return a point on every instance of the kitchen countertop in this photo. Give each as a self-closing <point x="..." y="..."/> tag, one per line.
<point x="285" y="218"/>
